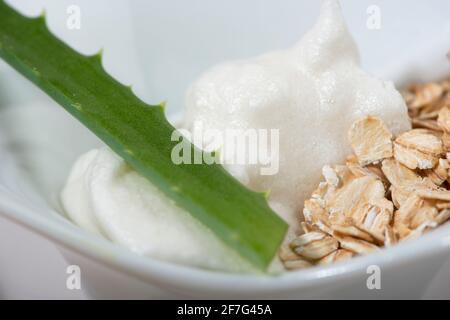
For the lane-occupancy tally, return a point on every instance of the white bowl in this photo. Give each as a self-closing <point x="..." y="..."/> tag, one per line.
<point x="38" y="143"/>
<point x="112" y="271"/>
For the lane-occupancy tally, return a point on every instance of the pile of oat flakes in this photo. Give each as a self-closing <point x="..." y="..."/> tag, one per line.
<point x="391" y="189"/>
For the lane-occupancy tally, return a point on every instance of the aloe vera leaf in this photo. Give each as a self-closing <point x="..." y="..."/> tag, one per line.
<point x="141" y="135"/>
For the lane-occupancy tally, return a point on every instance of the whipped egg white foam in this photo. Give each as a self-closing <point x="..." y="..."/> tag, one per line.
<point x="107" y="197"/>
<point x="311" y="93"/>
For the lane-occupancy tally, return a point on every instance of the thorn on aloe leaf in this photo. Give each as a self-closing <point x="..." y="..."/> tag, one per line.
<point x="42" y="15"/>
<point x="41" y="18"/>
<point x="162" y="105"/>
<point x="266" y="194"/>
<point x="98" y="56"/>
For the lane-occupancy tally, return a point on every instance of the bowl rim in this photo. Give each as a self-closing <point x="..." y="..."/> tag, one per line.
<point x="181" y="277"/>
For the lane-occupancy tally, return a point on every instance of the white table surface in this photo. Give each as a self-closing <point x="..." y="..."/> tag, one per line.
<point x="30" y="266"/>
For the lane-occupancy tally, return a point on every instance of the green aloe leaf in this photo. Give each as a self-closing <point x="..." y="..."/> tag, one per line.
<point x="141" y="135"/>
